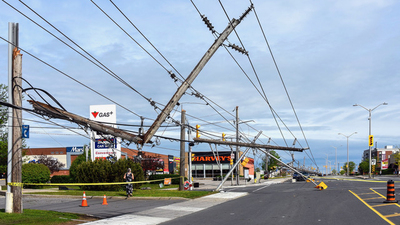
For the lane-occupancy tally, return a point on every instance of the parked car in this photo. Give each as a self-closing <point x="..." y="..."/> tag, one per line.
<point x="301" y="177"/>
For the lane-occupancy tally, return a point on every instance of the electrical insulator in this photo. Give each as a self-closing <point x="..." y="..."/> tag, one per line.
<point x="223" y="136"/>
<point x="197" y="131"/>
<point x="239" y="49"/>
<point x="208" y="23"/>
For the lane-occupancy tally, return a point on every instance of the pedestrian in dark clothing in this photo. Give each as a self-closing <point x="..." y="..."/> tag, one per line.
<point x="128" y="176"/>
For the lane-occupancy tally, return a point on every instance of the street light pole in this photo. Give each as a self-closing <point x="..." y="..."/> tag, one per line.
<point x="335" y="159"/>
<point x="369" y="118"/>
<point x="347" y="150"/>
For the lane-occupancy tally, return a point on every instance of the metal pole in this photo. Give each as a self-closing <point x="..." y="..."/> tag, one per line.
<point x="348" y="157"/>
<point x="370" y="150"/>
<point x="370" y="133"/>
<point x="237" y="146"/>
<point x="229" y="173"/>
<point x="190" y="163"/>
<point x="182" y="152"/>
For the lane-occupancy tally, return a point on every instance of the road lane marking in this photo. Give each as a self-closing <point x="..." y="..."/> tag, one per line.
<point x="373" y="198"/>
<point x="378" y="213"/>
<point x="384" y="197"/>
<point x="261" y="188"/>
<point x="369" y="193"/>
<point x="393" y="215"/>
<point x="386" y="204"/>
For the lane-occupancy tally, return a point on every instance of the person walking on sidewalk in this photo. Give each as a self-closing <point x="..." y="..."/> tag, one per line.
<point x="128" y="176"/>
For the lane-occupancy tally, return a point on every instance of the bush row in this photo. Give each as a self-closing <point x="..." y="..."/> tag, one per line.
<point x="103" y="171"/>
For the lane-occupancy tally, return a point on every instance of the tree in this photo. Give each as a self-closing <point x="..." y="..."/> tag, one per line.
<point x="151" y="163"/>
<point x="53" y="164"/>
<point x="352" y="166"/>
<point x="3" y="129"/>
<point x="397" y="158"/>
<point x="272" y="162"/>
<point x="364" y="167"/>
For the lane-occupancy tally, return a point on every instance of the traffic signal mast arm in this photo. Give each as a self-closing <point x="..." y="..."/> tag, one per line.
<point x="186" y="84"/>
<point x="44" y="109"/>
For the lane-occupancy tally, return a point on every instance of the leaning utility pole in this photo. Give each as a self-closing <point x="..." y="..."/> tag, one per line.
<point x="182" y="160"/>
<point x="186" y="84"/>
<point x="17" y="132"/>
<point x="44" y="109"/>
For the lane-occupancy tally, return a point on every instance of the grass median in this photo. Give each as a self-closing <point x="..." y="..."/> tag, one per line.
<point x="146" y="190"/>
<point x="33" y="216"/>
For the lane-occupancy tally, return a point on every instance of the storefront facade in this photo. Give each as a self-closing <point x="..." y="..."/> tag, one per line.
<point x="210" y="165"/>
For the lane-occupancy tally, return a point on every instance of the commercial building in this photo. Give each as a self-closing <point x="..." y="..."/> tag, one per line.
<point x="66" y="155"/>
<point x="382" y="156"/>
<point x="204" y="164"/>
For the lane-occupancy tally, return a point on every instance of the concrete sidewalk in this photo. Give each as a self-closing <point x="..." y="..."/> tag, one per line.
<point x="211" y="185"/>
<point x="162" y="214"/>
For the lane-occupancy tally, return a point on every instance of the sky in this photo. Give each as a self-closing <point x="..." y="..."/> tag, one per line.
<point x="330" y="55"/>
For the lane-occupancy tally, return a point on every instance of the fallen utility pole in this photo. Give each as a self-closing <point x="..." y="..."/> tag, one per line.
<point x="250" y="145"/>
<point x="186" y="84"/>
<point x="44" y="109"/>
<point x="268" y="153"/>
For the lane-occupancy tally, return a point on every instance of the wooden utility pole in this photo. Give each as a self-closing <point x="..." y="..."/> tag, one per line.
<point x="44" y="109"/>
<point x="17" y="132"/>
<point x="186" y="84"/>
<point x="182" y="160"/>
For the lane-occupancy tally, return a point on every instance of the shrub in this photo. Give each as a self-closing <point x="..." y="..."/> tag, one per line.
<point x="58" y="179"/>
<point x="72" y="169"/>
<point x="35" y="173"/>
<point x="103" y="171"/>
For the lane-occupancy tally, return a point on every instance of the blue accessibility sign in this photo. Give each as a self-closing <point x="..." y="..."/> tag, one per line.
<point x="25" y="131"/>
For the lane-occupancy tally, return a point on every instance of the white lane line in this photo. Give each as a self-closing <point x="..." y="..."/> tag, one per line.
<point x="261" y="188"/>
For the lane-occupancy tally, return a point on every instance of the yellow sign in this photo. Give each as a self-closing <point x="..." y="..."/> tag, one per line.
<point x="371" y="140"/>
<point x="245" y="161"/>
<point x="167" y="181"/>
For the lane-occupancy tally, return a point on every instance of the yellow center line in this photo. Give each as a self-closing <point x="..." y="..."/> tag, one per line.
<point x="378" y="213"/>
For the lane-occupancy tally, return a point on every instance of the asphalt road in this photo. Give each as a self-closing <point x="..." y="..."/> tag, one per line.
<point x="300" y="203"/>
<point x="343" y="202"/>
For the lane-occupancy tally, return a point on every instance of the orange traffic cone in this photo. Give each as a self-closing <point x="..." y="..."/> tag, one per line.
<point x="105" y="200"/>
<point x="84" y="202"/>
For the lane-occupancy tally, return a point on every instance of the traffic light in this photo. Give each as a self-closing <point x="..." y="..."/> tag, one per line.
<point x="197" y="131"/>
<point x="371" y="140"/>
<point x="193" y="157"/>
<point x="223" y="136"/>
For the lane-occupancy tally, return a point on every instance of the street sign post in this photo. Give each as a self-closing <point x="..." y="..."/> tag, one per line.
<point x="25" y="131"/>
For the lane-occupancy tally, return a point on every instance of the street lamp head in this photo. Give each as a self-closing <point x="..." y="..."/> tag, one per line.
<point x="385" y="103"/>
<point x="355" y="105"/>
